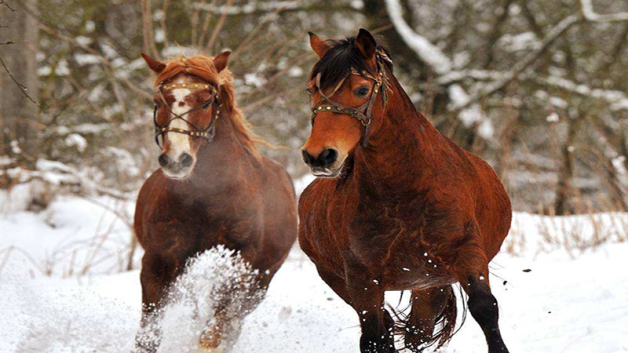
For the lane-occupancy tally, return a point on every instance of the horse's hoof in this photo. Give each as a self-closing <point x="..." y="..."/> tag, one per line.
<point x="209" y="350"/>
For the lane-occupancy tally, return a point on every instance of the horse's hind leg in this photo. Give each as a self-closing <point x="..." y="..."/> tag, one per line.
<point x="430" y="307"/>
<point x="472" y="272"/>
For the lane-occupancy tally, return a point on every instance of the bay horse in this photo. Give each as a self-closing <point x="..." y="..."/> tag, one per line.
<point x="396" y="205"/>
<point x="212" y="188"/>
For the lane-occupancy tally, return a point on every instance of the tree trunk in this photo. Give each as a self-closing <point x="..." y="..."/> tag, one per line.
<point x="564" y="186"/>
<point x="18" y="114"/>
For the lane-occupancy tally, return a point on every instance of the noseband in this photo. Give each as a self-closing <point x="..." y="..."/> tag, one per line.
<point x="208" y="133"/>
<point x="361" y="113"/>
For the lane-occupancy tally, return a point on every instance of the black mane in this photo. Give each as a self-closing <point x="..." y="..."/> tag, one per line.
<point x="339" y="59"/>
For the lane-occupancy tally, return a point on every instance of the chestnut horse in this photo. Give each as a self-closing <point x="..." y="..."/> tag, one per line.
<point x="397" y="206"/>
<point x="213" y="188"/>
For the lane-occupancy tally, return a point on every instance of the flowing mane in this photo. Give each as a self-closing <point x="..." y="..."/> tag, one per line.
<point x="202" y="66"/>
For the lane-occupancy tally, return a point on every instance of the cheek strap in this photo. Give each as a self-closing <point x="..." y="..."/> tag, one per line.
<point x="361" y="113"/>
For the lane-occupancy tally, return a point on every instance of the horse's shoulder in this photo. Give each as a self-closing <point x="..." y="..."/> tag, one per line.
<point x="272" y="166"/>
<point x="275" y="173"/>
<point x="153" y="182"/>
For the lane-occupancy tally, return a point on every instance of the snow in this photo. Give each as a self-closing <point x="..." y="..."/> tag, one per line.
<point x="552" y="118"/>
<point x="265" y="6"/>
<point x="571" y="300"/>
<point x="520" y="41"/>
<point x="76" y="140"/>
<point x="591" y="15"/>
<point x="430" y="53"/>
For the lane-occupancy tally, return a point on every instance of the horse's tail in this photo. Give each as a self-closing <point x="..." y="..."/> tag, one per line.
<point x="444" y="325"/>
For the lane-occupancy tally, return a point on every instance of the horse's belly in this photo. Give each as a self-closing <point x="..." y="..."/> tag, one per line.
<point x="420" y="283"/>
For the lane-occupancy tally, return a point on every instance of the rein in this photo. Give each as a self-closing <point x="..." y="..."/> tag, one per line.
<point x="209" y="133"/>
<point x="361" y="113"/>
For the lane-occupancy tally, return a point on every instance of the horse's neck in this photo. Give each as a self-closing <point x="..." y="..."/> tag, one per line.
<point x="221" y="162"/>
<point x="403" y="149"/>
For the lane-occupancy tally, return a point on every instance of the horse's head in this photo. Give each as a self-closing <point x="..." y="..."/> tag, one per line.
<point x="348" y="89"/>
<point x="187" y="105"/>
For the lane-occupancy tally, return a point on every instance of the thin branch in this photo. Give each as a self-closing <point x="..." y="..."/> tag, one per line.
<point x="590" y="15"/>
<point x="218" y="27"/>
<point x="194" y="23"/>
<point x="284" y="94"/>
<point x="251" y="38"/>
<point x="19" y="85"/>
<point x="497" y="33"/>
<point x="206" y="22"/>
<point x="7" y="5"/>
<point x="105" y="61"/>
<point x="524" y="63"/>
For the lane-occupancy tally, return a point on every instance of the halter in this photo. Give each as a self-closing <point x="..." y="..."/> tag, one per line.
<point x="361" y="113"/>
<point x="208" y="133"/>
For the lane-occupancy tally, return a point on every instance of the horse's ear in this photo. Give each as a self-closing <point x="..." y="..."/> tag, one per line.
<point x="366" y="44"/>
<point x="318" y="45"/>
<point x="154" y="64"/>
<point x="221" y="61"/>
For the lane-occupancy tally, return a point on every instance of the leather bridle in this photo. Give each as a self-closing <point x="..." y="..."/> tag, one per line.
<point x="209" y="133"/>
<point x="361" y="113"/>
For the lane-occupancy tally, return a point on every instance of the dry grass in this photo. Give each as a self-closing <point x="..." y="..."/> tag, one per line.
<point x="575" y="233"/>
<point x="101" y="253"/>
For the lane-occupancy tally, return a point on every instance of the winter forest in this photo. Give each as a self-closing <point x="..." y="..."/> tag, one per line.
<point x="537" y="88"/>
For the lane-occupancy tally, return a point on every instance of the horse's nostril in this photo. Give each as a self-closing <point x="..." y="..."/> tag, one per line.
<point x="307" y="158"/>
<point x="328" y="156"/>
<point x="186" y="160"/>
<point x="163" y="160"/>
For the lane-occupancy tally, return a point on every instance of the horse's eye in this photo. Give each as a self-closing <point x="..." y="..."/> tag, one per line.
<point x="157" y="104"/>
<point x="309" y="91"/>
<point x="361" y="91"/>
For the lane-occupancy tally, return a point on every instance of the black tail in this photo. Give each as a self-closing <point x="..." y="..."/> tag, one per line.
<point x="416" y="340"/>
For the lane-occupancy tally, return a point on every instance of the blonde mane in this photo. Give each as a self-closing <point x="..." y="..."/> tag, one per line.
<point x="202" y="66"/>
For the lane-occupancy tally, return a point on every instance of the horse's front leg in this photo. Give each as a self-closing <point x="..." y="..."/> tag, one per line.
<point x="155" y="279"/>
<point x="234" y="303"/>
<point x="367" y="298"/>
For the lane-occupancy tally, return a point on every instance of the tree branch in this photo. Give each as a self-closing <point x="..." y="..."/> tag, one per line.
<point x="524" y="63"/>
<point x="22" y="88"/>
<point x="218" y="27"/>
<point x="590" y="15"/>
<point x="7" y="6"/>
<point x="617" y="100"/>
<point x="147" y="29"/>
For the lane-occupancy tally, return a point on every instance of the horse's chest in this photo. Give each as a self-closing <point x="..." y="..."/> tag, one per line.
<point x="401" y="245"/>
<point x="198" y="230"/>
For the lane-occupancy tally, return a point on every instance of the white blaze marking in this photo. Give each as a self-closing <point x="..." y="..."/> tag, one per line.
<point x="179" y="143"/>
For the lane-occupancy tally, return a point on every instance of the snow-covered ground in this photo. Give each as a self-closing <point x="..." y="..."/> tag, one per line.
<point x="570" y="301"/>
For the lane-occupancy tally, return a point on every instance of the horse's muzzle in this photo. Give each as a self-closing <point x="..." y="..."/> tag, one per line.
<point x="179" y="169"/>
